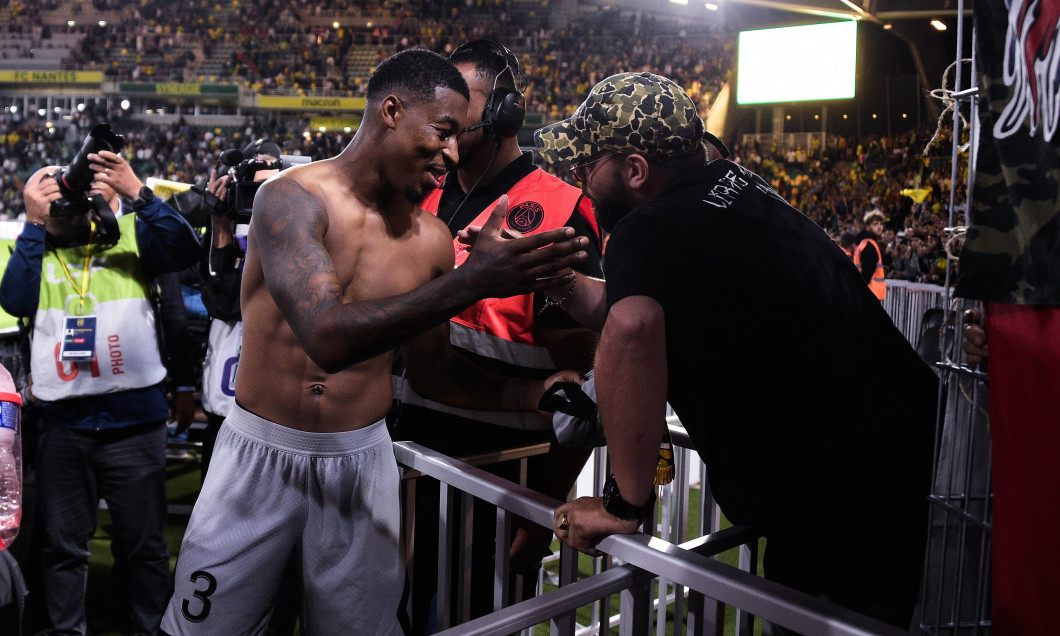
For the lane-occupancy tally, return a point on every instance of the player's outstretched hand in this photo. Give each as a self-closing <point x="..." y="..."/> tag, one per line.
<point x="500" y="266"/>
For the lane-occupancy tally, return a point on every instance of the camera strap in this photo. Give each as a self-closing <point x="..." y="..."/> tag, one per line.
<point x="106" y="224"/>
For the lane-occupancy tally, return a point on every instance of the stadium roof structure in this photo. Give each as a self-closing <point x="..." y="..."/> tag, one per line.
<point x="898" y="36"/>
<point x="915" y="22"/>
<point x="756" y="14"/>
<point x="882" y="11"/>
<point x="910" y="21"/>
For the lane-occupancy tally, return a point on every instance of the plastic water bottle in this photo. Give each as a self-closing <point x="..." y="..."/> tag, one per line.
<point x="10" y="459"/>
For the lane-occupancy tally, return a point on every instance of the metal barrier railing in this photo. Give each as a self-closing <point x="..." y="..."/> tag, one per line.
<point x="907" y="302"/>
<point x="956" y="594"/>
<point x="644" y="559"/>
<point x="676" y="572"/>
<point x="955" y="597"/>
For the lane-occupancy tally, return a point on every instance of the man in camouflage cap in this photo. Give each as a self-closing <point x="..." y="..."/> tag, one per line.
<point x="704" y="259"/>
<point x="628" y="112"/>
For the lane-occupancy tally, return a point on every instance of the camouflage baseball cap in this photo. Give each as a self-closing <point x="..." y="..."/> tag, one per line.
<point x="640" y="113"/>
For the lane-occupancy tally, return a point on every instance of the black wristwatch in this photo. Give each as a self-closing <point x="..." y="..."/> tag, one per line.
<point x="146" y="195"/>
<point x="619" y="507"/>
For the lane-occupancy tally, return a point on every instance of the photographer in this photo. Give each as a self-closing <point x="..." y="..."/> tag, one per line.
<point x="97" y="372"/>
<point x="221" y="272"/>
<point x="176" y="345"/>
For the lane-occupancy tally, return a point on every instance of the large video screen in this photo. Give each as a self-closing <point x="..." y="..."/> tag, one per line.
<point x="794" y="64"/>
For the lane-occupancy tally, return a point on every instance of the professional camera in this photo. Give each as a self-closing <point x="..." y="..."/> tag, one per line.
<point x="75" y="181"/>
<point x="242" y="168"/>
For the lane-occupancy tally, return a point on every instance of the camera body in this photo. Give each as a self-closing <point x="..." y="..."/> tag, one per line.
<point x="197" y="204"/>
<point x="242" y="186"/>
<point x="75" y="182"/>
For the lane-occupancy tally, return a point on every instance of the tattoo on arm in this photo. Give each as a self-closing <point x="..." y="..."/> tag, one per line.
<point x="289" y="227"/>
<point x="301" y="277"/>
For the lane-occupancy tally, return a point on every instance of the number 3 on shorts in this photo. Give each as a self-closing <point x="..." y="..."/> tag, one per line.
<point x="202" y="595"/>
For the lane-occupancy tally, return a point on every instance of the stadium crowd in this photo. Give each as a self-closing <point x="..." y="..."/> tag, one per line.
<point x="835" y="186"/>
<point x="276" y="46"/>
<point x="270" y="47"/>
<point x="281" y="46"/>
<point x="284" y="46"/>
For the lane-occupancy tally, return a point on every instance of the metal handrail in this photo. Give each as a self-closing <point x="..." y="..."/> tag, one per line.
<point x="767" y="599"/>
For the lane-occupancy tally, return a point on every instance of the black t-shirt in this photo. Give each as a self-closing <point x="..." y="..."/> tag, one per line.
<point x="768" y="328"/>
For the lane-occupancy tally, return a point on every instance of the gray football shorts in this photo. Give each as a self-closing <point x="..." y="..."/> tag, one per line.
<point x="271" y="492"/>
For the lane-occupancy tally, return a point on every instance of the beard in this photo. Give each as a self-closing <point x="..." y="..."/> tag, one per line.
<point x="610" y="207"/>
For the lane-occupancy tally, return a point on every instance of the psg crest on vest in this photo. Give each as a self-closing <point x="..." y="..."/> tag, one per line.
<point x="525" y="217"/>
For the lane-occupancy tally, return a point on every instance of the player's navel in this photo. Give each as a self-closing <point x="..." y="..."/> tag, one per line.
<point x="316" y="389"/>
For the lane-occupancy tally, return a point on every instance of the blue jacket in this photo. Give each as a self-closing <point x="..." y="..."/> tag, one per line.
<point x="166" y="243"/>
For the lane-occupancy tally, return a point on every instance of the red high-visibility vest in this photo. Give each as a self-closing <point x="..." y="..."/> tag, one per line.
<point x="504" y="329"/>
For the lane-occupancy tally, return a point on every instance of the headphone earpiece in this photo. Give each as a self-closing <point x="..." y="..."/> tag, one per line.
<point x="505" y="111"/>
<point x="505" y="108"/>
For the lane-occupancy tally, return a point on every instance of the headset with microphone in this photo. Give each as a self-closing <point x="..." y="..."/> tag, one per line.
<point x="505" y="108"/>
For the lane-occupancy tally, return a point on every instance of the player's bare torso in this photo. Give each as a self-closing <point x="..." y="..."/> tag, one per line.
<point x="359" y="254"/>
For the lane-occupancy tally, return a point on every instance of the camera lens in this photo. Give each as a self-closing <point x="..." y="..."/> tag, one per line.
<point x="77" y="178"/>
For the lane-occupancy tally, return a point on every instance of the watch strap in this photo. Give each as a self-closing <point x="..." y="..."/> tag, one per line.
<point x="146" y="196"/>
<point x="619" y="507"/>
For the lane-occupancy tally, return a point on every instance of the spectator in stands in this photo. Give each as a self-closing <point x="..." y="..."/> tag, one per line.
<point x="811" y="469"/>
<point x="103" y="401"/>
<point x="867" y="255"/>
<point x="906" y="263"/>
<point x="847" y="241"/>
<point x="932" y="262"/>
<point x="522" y="336"/>
<point x="327" y="294"/>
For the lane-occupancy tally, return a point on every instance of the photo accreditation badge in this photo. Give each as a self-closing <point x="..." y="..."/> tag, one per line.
<point x="79" y="339"/>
